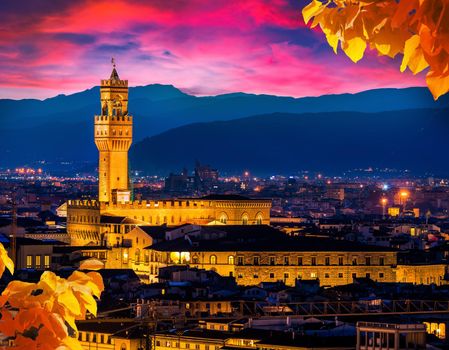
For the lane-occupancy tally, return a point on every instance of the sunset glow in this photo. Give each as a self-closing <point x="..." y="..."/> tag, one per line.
<point x="201" y="47"/>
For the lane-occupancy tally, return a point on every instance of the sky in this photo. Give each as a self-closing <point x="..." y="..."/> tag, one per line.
<point x="203" y="47"/>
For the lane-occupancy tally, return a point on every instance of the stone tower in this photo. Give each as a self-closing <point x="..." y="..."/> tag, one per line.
<point x="113" y="138"/>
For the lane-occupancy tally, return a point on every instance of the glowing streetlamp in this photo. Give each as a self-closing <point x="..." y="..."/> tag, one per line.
<point x="384" y="202"/>
<point x="403" y="195"/>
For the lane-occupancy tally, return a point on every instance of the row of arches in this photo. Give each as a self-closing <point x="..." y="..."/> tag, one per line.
<point x="213" y="260"/>
<point x="244" y="219"/>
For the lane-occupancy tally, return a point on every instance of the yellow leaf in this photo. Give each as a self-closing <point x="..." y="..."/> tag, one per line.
<point x="355" y="48"/>
<point x="438" y="85"/>
<point x="91" y="264"/>
<point x="70" y="343"/>
<point x="70" y="302"/>
<point x="312" y="9"/>
<point x="413" y="57"/>
<point x="5" y="261"/>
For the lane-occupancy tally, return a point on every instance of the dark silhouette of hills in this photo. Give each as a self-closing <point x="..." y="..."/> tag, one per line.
<point x="61" y="128"/>
<point x="285" y="143"/>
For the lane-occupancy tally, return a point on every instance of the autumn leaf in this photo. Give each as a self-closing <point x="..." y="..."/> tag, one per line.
<point x="5" y="261"/>
<point x="415" y="28"/>
<point x="47" y="311"/>
<point x="91" y="264"/>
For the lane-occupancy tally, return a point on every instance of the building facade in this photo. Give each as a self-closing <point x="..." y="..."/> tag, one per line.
<point x="113" y="138"/>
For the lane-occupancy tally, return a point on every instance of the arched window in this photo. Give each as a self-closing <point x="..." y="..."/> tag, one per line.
<point x="213" y="259"/>
<point x="231" y="259"/>
<point x="259" y="219"/>
<point x="223" y="218"/>
<point x="245" y="219"/>
<point x="194" y="259"/>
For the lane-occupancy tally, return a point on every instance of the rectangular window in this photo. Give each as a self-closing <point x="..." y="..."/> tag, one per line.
<point x="340" y="275"/>
<point x="354" y="261"/>
<point x="326" y="275"/>
<point x="47" y="261"/>
<point x="271" y="275"/>
<point x="255" y="275"/>
<point x="354" y="275"/>
<point x="327" y="261"/>
<point x="240" y="260"/>
<point x="368" y="261"/>
<point x="286" y="260"/>
<point x="381" y="275"/>
<point x="256" y="260"/>
<point x="299" y="260"/>
<point x="313" y="275"/>
<point x="29" y="261"/>
<point x="313" y="261"/>
<point x="286" y="275"/>
<point x="340" y="260"/>
<point x="382" y="261"/>
<point x="272" y="260"/>
<point x="37" y="261"/>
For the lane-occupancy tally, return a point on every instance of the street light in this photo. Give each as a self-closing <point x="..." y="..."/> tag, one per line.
<point x="404" y="196"/>
<point x="384" y="202"/>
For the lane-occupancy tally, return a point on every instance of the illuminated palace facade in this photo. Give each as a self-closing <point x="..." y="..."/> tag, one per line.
<point x="104" y="221"/>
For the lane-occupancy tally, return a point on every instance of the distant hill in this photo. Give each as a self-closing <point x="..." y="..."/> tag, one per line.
<point x="61" y="128"/>
<point x="285" y="143"/>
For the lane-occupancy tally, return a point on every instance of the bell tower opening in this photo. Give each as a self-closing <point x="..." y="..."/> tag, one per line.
<point x="113" y="138"/>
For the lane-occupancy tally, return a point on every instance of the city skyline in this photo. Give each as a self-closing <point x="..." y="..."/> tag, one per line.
<point x="199" y="47"/>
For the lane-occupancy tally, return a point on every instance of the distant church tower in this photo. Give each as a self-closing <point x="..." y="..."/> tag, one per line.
<point x="113" y="137"/>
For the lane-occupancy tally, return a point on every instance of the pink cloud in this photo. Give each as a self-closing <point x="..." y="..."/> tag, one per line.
<point x="201" y="46"/>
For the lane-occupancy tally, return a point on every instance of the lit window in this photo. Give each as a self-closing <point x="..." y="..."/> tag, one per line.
<point x="37" y="261"/>
<point x="231" y="260"/>
<point x="213" y="259"/>
<point x="29" y="261"/>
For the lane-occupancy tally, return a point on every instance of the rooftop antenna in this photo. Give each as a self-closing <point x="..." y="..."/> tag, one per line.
<point x="113" y="62"/>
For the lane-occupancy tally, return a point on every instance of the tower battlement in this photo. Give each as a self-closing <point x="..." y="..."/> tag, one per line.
<point x="114" y="83"/>
<point x="120" y="120"/>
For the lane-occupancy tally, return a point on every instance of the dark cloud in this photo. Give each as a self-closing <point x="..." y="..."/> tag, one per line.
<point x="81" y="39"/>
<point x="111" y="48"/>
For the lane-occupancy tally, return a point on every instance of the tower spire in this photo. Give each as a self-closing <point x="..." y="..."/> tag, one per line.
<point x="114" y="74"/>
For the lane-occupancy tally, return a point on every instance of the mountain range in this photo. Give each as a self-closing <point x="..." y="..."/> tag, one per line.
<point x="384" y="127"/>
